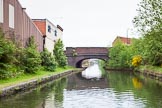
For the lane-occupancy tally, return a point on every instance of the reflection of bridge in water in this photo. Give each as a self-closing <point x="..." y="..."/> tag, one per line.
<point x="77" y="82"/>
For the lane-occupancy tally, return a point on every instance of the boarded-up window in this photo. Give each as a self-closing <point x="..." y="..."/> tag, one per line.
<point x="1" y="11"/>
<point x="11" y="16"/>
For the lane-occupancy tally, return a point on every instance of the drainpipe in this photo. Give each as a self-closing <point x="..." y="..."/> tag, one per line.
<point x="44" y="37"/>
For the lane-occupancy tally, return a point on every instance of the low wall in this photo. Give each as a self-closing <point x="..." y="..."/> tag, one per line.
<point x="22" y="87"/>
<point x="152" y="74"/>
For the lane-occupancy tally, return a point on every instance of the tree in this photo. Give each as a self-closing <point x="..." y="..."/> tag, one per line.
<point x="48" y="60"/>
<point x="153" y="48"/>
<point x="59" y="54"/>
<point x="149" y="15"/>
<point x="149" y="22"/>
<point x="31" y="58"/>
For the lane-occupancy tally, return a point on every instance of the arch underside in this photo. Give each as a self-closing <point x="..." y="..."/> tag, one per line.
<point x="78" y="63"/>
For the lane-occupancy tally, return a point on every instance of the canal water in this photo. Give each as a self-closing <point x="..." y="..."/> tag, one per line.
<point x="111" y="90"/>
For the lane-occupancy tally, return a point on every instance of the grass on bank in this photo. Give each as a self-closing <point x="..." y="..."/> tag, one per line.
<point x="151" y="68"/>
<point x="27" y="77"/>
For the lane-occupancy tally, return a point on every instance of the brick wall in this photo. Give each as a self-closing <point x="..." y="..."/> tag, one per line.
<point x="23" y="25"/>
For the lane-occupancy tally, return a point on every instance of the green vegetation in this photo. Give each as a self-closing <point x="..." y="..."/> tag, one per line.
<point x="149" y="23"/>
<point x="59" y="89"/>
<point x="151" y="68"/>
<point x="149" y="16"/>
<point x="48" y="60"/>
<point x="27" y="77"/>
<point x="120" y="56"/>
<point x="101" y="66"/>
<point x="59" y="54"/>
<point x="7" y="60"/>
<point x="146" y="51"/>
<point x="141" y="86"/>
<point x="53" y="89"/>
<point x="17" y="61"/>
<point x="31" y="57"/>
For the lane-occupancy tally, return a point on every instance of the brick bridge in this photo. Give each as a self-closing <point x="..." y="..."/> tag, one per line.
<point x="76" y="55"/>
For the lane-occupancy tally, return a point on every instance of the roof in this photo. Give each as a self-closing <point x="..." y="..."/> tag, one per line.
<point x="41" y="24"/>
<point x="124" y="40"/>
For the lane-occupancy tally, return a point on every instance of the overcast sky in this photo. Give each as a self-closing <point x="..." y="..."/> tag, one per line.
<point x="86" y="22"/>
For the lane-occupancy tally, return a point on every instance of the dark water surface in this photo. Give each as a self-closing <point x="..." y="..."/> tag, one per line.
<point x="114" y="90"/>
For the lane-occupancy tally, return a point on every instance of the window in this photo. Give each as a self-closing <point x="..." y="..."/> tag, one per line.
<point x="1" y="11"/>
<point x="55" y="33"/>
<point x="11" y="16"/>
<point x="49" y="28"/>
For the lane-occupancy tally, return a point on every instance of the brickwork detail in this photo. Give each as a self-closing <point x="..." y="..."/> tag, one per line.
<point x="78" y="54"/>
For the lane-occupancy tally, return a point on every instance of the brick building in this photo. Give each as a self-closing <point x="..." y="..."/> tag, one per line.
<point x="17" y="25"/>
<point x="124" y="40"/>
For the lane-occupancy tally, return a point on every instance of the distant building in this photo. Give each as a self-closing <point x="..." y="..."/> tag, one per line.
<point x="17" y="25"/>
<point x="51" y="33"/>
<point x="124" y="40"/>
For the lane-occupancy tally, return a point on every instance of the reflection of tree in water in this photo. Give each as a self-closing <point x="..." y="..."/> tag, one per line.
<point x="59" y="89"/>
<point x="54" y="99"/>
<point x="50" y="94"/>
<point x="142" y="87"/>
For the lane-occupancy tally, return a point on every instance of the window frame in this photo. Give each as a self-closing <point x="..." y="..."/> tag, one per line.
<point x="49" y="28"/>
<point x="11" y="16"/>
<point x="55" y="32"/>
<point x="1" y="11"/>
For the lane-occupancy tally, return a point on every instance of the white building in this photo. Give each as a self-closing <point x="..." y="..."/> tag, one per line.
<point x="51" y="33"/>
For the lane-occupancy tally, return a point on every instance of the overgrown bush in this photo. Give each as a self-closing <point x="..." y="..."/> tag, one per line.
<point x="120" y="56"/>
<point x="7" y="59"/>
<point x="48" y="60"/>
<point x="31" y="59"/>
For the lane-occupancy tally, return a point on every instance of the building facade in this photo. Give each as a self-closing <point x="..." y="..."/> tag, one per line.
<point x="51" y="33"/>
<point x="17" y="25"/>
<point x="124" y="40"/>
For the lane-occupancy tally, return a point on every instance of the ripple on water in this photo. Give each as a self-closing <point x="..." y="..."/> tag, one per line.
<point x="100" y="98"/>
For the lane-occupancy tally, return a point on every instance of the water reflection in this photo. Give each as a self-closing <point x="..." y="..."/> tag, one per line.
<point x="77" y="82"/>
<point x="115" y="90"/>
<point x="56" y="97"/>
<point x="137" y="83"/>
<point x="47" y="96"/>
<point x="93" y="71"/>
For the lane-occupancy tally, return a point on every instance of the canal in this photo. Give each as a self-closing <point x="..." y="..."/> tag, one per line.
<point x="80" y="90"/>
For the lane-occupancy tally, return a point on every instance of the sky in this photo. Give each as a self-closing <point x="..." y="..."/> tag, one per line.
<point x="87" y="23"/>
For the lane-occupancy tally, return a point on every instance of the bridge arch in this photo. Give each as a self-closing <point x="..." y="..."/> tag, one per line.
<point x="78" y="54"/>
<point x="78" y="63"/>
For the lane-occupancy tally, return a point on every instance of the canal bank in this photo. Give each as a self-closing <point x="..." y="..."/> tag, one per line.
<point x="144" y="70"/>
<point x="114" y="90"/>
<point x="151" y="71"/>
<point x="27" y="85"/>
